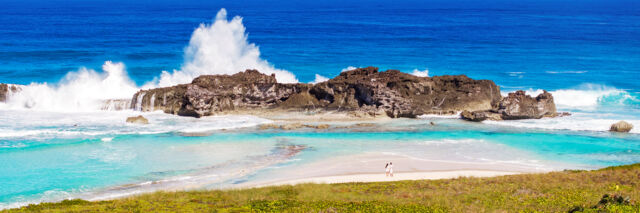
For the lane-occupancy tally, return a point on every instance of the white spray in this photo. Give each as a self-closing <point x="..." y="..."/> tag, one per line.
<point x="139" y="102"/>
<point x="217" y="48"/>
<point x="83" y="90"/>
<point x="220" y="48"/>
<point x="152" y="102"/>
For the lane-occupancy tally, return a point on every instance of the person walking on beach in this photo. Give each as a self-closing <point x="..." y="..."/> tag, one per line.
<point x="386" y="170"/>
<point x="390" y="169"/>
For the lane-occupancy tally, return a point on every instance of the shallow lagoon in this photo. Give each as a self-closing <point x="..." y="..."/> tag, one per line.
<point x="46" y="167"/>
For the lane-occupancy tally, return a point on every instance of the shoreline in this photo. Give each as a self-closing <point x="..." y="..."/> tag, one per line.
<point x="380" y="177"/>
<point x="361" y="167"/>
<point x="369" y="167"/>
<point x="338" y="169"/>
<point x="334" y="179"/>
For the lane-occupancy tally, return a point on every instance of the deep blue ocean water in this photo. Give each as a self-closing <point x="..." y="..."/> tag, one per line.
<point x="55" y="145"/>
<point x="544" y="45"/>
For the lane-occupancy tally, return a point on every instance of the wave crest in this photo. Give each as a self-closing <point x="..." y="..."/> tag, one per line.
<point x="217" y="48"/>
<point x="83" y="90"/>
<point x="591" y="96"/>
<point x="221" y="48"/>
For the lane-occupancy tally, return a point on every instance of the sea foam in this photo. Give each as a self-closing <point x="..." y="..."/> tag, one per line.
<point x="41" y="125"/>
<point x="82" y="90"/>
<point x="593" y="107"/>
<point x="589" y="96"/>
<point x="221" y="47"/>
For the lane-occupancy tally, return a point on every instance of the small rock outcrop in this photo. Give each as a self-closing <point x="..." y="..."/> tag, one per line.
<point x="517" y="105"/>
<point x="361" y="92"/>
<point x="6" y="89"/>
<point x="292" y="126"/>
<point x="137" y="120"/>
<point x="621" y="126"/>
<point x="476" y="116"/>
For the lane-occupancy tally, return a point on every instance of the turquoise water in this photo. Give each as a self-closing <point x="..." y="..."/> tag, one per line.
<point x="75" y="167"/>
<point x="58" y="138"/>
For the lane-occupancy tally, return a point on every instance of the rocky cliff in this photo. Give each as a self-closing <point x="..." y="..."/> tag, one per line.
<point x="362" y="91"/>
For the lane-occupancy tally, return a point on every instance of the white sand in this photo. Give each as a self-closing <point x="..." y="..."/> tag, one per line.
<point x="369" y="167"/>
<point x="382" y="178"/>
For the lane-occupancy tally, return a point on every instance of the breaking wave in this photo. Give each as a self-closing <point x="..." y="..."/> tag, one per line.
<point x="575" y="122"/>
<point x="221" y="47"/>
<point x="593" y="107"/>
<point x="591" y="96"/>
<point x="83" y="90"/>
<point x="39" y="126"/>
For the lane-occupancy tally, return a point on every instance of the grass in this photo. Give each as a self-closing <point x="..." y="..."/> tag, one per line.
<point x="551" y="192"/>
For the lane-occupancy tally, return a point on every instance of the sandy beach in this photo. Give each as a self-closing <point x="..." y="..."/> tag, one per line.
<point x="370" y="168"/>
<point x="378" y="177"/>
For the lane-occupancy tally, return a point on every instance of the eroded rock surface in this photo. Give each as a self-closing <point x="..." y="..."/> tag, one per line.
<point x="621" y="126"/>
<point x="363" y="92"/>
<point x="6" y="89"/>
<point x="137" y="120"/>
<point x="517" y="105"/>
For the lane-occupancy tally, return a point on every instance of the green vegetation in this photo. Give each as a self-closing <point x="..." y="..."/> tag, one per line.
<point x="607" y="190"/>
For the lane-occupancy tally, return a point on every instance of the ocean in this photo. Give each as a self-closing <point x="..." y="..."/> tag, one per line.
<point x="57" y="139"/>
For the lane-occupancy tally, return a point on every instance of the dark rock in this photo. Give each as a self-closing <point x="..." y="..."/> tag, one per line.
<point x="476" y="116"/>
<point x="403" y="95"/>
<point x="137" y="120"/>
<point x="621" y="126"/>
<point x="6" y="89"/>
<point x="362" y="92"/>
<point x="364" y="125"/>
<point x="3" y="92"/>
<point x="211" y="94"/>
<point x="291" y="126"/>
<point x="268" y="126"/>
<point x="479" y="116"/>
<point x="321" y="126"/>
<point x="518" y="105"/>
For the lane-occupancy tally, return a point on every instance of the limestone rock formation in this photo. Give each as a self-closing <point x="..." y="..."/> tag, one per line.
<point x="292" y="126"/>
<point x="400" y="94"/>
<point x="478" y="116"/>
<point x="362" y="92"/>
<point x="518" y="105"/>
<point x="621" y="126"/>
<point x="6" y="89"/>
<point x="211" y="94"/>
<point x="137" y="120"/>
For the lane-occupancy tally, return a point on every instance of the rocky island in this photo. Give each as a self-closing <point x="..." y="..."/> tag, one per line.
<point x="363" y="92"/>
